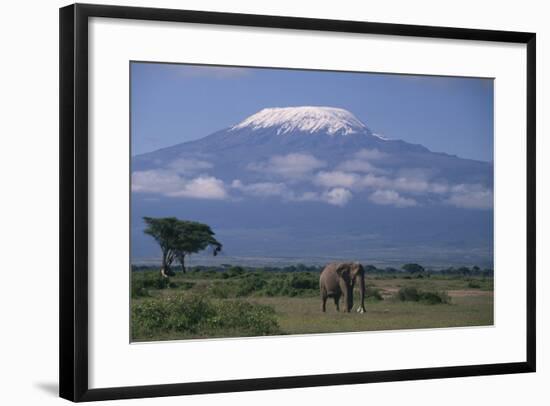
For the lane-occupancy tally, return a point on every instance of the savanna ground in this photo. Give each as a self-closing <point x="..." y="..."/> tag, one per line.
<point x="208" y="302"/>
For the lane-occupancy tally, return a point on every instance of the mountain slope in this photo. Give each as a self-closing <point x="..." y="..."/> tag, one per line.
<point x="302" y="165"/>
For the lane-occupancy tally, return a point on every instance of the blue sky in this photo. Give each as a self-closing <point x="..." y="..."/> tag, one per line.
<point x="176" y="103"/>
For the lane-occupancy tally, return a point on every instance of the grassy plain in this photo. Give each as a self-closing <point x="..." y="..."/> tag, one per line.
<point x="236" y="303"/>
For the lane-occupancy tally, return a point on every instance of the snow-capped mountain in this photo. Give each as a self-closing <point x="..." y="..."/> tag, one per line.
<point x="288" y="120"/>
<point x="330" y="134"/>
<point x="311" y="171"/>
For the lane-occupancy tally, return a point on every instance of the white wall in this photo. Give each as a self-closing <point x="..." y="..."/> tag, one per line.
<point x="29" y="177"/>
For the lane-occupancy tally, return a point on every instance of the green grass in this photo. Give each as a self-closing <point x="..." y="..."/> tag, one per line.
<point x="384" y="315"/>
<point x="264" y="303"/>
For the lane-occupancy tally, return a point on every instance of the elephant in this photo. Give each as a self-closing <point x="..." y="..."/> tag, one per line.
<point x="338" y="279"/>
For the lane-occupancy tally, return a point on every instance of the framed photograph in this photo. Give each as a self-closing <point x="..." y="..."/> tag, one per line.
<point x="257" y="202"/>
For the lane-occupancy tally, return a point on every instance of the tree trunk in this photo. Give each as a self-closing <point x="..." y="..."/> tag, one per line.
<point x="182" y="263"/>
<point x="163" y="266"/>
<point x="165" y="270"/>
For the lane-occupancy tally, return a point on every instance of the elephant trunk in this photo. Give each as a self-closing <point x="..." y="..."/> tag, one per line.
<point x="349" y="299"/>
<point x="361" y="308"/>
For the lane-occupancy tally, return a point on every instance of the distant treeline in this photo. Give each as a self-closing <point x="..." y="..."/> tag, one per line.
<point x="410" y="268"/>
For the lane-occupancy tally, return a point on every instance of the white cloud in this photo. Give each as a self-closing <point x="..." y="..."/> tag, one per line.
<point x="189" y="165"/>
<point x="306" y="197"/>
<point x="171" y="184"/>
<point x="439" y="188"/>
<point x="403" y="183"/>
<point x="203" y="187"/>
<point x="287" y="176"/>
<point x="155" y="181"/>
<point x="293" y="166"/>
<point x="336" y="178"/>
<point x="337" y="196"/>
<point x="360" y="162"/>
<point x="391" y="198"/>
<point x="370" y="154"/>
<point x="471" y="196"/>
<point x="261" y="189"/>
<point x="272" y="189"/>
<point x="410" y="185"/>
<point x="357" y="165"/>
<point x="374" y="181"/>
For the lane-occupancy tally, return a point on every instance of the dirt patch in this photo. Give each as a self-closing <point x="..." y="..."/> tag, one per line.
<point x="387" y="292"/>
<point x="465" y="293"/>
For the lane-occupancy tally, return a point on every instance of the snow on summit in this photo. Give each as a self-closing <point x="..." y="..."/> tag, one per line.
<point x="306" y="119"/>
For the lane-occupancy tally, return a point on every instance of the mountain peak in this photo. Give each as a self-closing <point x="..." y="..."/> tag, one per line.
<point x="305" y="119"/>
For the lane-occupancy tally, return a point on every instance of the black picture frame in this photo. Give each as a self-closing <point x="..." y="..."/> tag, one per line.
<point x="73" y="300"/>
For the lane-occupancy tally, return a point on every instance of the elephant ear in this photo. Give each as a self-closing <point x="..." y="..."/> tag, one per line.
<point x="341" y="268"/>
<point x="358" y="269"/>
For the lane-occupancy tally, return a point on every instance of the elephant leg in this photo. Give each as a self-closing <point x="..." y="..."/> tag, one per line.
<point x="324" y="303"/>
<point x="337" y="303"/>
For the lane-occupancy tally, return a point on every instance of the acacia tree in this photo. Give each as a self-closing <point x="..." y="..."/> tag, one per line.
<point x="178" y="238"/>
<point x="193" y="237"/>
<point x="164" y="231"/>
<point x="413" y="268"/>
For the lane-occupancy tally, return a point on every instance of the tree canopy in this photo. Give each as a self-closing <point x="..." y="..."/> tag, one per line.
<point x="178" y="238"/>
<point x="412" y="268"/>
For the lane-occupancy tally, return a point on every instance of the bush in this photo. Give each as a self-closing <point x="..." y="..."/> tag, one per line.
<point x="187" y="314"/>
<point x="408" y="293"/>
<point x="218" y="290"/>
<point x="183" y="314"/>
<point x="139" y="291"/>
<point x="246" y="318"/>
<point x="275" y="287"/>
<point x="373" y="293"/>
<point x="235" y="271"/>
<point x="196" y="315"/>
<point x="474" y="285"/>
<point x="141" y="283"/>
<point x="304" y="281"/>
<point x="249" y="285"/>
<point x="413" y="294"/>
<point x="435" y="297"/>
<point x="291" y="285"/>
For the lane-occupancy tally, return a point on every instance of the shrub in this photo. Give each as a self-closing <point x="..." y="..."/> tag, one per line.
<point x="373" y="293"/>
<point x="412" y="294"/>
<point x="304" y="281"/>
<point x="198" y="315"/>
<point x="274" y="287"/>
<point x="219" y="290"/>
<point x="233" y="272"/>
<point x="183" y="314"/>
<point x="148" y="317"/>
<point x="141" y="283"/>
<point x="435" y="297"/>
<point x="186" y="285"/>
<point x="250" y="285"/>
<point x="139" y="291"/>
<point x="245" y="317"/>
<point x="186" y="314"/>
<point x="408" y="293"/>
<point x="474" y="285"/>
<point x="297" y="284"/>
